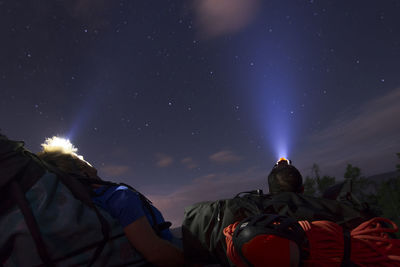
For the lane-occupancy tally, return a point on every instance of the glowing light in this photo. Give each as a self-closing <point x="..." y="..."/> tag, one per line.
<point x="283" y="160"/>
<point x="274" y="97"/>
<point x="61" y="145"/>
<point x="279" y="141"/>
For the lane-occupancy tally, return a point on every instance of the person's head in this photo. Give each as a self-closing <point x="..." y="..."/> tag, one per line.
<point x="284" y="177"/>
<point x="61" y="153"/>
<point x="267" y="239"/>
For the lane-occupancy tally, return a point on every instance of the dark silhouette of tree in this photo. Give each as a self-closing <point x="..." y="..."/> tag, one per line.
<point x="316" y="185"/>
<point x="388" y="198"/>
<point x="384" y="200"/>
<point x="359" y="182"/>
<point x="325" y="182"/>
<point x="383" y="197"/>
<point x="398" y="165"/>
<point x="352" y="172"/>
<point x="309" y="186"/>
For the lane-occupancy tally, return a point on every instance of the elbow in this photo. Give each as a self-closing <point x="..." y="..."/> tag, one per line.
<point x="164" y="254"/>
<point x="156" y="257"/>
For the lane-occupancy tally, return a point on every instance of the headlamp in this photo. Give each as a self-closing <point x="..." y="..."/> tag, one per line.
<point x="283" y="161"/>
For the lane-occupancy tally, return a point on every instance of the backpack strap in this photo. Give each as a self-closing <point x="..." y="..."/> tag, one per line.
<point x="147" y="204"/>
<point x="31" y="223"/>
<point x="346" y="262"/>
<point x="254" y="197"/>
<point x="257" y="192"/>
<point x="18" y="184"/>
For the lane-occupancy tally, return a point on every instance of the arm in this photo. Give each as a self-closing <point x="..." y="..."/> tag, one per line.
<point x="156" y="250"/>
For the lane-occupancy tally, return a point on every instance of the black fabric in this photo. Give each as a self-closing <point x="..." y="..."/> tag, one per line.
<point x="203" y="224"/>
<point x="164" y="225"/>
<point x="195" y="251"/>
<point x="333" y="191"/>
<point x="346" y="262"/>
<point x="7" y="248"/>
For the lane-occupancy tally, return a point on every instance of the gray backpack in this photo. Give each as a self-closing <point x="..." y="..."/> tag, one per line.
<point x="47" y="218"/>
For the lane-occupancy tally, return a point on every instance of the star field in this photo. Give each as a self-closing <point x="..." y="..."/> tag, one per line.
<point x="165" y="95"/>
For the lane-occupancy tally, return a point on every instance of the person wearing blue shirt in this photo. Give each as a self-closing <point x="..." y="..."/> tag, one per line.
<point x="122" y="203"/>
<point x="126" y="205"/>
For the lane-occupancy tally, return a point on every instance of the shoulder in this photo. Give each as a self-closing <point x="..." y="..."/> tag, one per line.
<point x="117" y="192"/>
<point x="121" y="202"/>
<point x="115" y="197"/>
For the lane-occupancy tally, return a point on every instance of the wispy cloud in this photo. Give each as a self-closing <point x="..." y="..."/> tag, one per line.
<point x="111" y="170"/>
<point x="189" y="163"/>
<point x="163" y="160"/>
<point x="209" y="187"/>
<point x="219" y="17"/>
<point x="368" y="137"/>
<point x="225" y="156"/>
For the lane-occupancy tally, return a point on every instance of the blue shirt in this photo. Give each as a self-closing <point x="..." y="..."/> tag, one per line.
<point x="125" y="205"/>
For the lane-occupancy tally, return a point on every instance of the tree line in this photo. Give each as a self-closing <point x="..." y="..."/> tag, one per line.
<point x="382" y="197"/>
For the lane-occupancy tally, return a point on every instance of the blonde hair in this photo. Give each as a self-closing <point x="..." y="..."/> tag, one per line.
<point x="63" y="154"/>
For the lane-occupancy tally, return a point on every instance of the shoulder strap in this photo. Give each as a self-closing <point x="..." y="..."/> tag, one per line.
<point x="158" y="227"/>
<point x="253" y="196"/>
<point x="257" y="192"/>
<point x="346" y="261"/>
<point x="31" y="223"/>
<point x="81" y="193"/>
<point x="17" y="184"/>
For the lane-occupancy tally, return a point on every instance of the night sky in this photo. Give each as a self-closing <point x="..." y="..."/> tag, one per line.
<point x="196" y="100"/>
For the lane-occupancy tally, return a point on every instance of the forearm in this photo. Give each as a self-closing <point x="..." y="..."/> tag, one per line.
<point x="153" y="248"/>
<point x="165" y="254"/>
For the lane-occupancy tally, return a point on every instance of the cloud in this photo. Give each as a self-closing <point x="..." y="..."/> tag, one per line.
<point x="207" y="188"/>
<point x="114" y="170"/>
<point x="163" y="160"/>
<point x="368" y="137"/>
<point x="189" y="163"/>
<point x="219" y="17"/>
<point x="225" y="156"/>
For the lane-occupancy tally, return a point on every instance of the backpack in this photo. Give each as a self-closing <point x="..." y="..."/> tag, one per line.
<point x="343" y="192"/>
<point x="203" y="223"/>
<point x="47" y="218"/>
